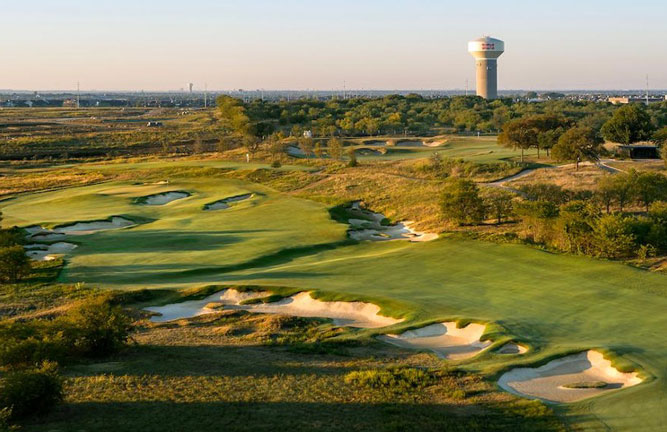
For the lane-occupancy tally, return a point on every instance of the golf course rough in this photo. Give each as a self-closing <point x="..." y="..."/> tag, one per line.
<point x="557" y="304"/>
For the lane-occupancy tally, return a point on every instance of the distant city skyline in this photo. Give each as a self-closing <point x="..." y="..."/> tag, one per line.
<point x="297" y="44"/>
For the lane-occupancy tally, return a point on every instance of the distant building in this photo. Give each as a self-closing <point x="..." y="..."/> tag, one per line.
<point x="308" y="134"/>
<point x="641" y="150"/>
<point x="635" y="99"/>
<point x="69" y="103"/>
<point x="154" y="124"/>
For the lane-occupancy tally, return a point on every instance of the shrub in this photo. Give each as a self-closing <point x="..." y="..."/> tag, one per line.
<point x="96" y="328"/>
<point x="14" y="264"/>
<point x="32" y="391"/>
<point x="612" y="236"/>
<point x="397" y="380"/>
<point x="276" y="164"/>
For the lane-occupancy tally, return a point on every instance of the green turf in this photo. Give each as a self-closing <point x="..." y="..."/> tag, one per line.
<point x="555" y="303"/>
<point x="477" y="149"/>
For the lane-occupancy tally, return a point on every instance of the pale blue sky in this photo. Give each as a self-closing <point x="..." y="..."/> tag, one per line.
<point x="300" y="44"/>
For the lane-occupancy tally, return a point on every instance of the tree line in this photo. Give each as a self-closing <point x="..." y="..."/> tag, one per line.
<point x="625" y="216"/>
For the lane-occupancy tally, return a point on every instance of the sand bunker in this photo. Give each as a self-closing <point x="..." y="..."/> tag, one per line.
<point x="193" y="308"/>
<point x="374" y="143"/>
<point x="512" y="348"/>
<point x="82" y="228"/>
<point x="163" y="198"/>
<point x="568" y="379"/>
<point x="444" y="339"/>
<point x="368" y="152"/>
<point x="370" y="226"/>
<point x="295" y="151"/>
<point x="409" y="143"/>
<point x="40" y="252"/>
<point x="225" y="203"/>
<point x="39" y="234"/>
<point x="344" y="314"/>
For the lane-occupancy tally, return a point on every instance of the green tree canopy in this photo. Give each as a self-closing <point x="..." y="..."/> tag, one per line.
<point x="578" y="144"/>
<point x="629" y="124"/>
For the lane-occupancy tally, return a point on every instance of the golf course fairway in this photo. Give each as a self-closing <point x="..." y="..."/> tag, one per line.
<point x="556" y="304"/>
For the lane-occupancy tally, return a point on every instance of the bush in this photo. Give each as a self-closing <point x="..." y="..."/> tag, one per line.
<point x="14" y="264"/>
<point x="96" y="328"/>
<point x="612" y="236"/>
<point x="397" y="380"/>
<point x="276" y="164"/>
<point x="30" y="392"/>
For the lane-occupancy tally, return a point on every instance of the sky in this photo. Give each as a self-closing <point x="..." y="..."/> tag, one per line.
<point x="317" y="44"/>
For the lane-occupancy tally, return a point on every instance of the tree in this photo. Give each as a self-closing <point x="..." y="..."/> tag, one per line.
<point x="629" y="124"/>
<point x="318" y="150"/>
<point x="352" y="154"/>
<point x="335" y="148"/>
<point x="517" y="135"/>
<point x="606" y="191"/>
<point x="622" y="186"/>
<point x="306" y="146"/>
<point x="251" y="143"/>
<point x="461" y="203"/>
<point x="650" y="187"/>
<point x="14" y="264"/>
<point x="276" y="148"/>
<point x="499" y="203"/>
<point x="577" y="144"/>
<point x="198" y="145"/>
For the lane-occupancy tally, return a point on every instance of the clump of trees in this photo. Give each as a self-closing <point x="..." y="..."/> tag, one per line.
<point x="583" y="222"/>
<point x="14" y="263"/>
<point x="599" y="224"/>
<point x="463" y="204"/>
<point x="541" y="132"/>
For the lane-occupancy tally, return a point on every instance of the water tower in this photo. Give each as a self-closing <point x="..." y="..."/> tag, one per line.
<point x="486" y="51"/>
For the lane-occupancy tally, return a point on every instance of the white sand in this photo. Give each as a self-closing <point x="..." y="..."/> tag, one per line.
<point x="409" y="143"/>
<point x="345" y="314"/>
<point x="48" y="252"/>
<point x="81" y="228"/>
<point x="512" y="348"/>
<point x="371" y="228"/>
<point x="436" y="143"/>
<point x="224" y="203"/>
<point x="165" y="198"/>
<point x="374" y="143"/>
<point x="192" y="308"/>
<point x="444" y="339"/>
<point x="295" y="151"/>
<point x="47" y="236"/>
<point x="35" y="229"/>
<point x="547" y="382"/>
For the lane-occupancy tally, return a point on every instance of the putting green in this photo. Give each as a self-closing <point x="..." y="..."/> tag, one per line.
<point x="556" y="303"/>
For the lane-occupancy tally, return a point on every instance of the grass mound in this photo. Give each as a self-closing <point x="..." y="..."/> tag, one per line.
<point x="586" y="385"/>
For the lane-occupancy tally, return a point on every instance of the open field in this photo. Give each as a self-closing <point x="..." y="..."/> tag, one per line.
<point x="555" y="304"/>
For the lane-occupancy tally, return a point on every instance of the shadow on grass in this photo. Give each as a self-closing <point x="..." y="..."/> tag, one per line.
<point x="149" y="273"/>
<point x="159" y="416"/>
